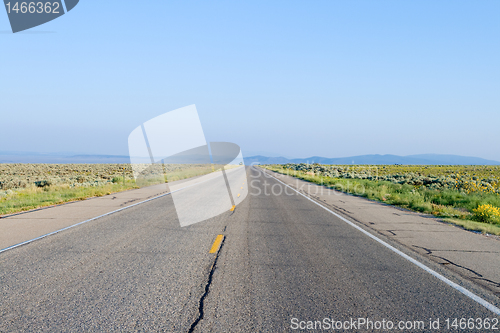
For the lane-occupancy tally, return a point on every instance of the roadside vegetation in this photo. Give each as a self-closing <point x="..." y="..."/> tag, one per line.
<point x="29" y="186"/>
<point x="468" y="196"/>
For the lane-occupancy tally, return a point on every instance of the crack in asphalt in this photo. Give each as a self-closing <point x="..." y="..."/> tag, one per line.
<point x="392" y="232"/>
<point x="127" y="202"/>
<point x="466" y="251"/>
<point x="496" y="284"/>
<point x="449" y="262"/>
<point x="207" y="289"/>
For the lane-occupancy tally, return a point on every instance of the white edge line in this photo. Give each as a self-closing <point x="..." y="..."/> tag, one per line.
<point x="452" y="284"/>
<point x="92" y="219"/>
<point x="95" y="218"/>
<point x="98" y="217"/>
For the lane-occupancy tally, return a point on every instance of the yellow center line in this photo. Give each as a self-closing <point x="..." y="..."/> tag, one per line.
<point x="217" y="243"/>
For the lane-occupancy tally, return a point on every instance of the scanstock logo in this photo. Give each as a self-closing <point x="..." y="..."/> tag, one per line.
<point x="28" y="14"/>
<point x="205" y="179"/>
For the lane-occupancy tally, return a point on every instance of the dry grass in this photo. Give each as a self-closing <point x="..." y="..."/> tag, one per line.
<point x="35" y="197"/>
<point x="29" y="186"/>
<point x="450" y="204"/>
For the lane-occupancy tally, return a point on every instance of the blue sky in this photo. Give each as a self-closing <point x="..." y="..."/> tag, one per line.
<point x="298" y="78"/>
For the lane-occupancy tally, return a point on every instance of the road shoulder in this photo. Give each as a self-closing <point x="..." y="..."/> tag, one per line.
<point x="22" y="227"/>
<point x="471" y="255"/>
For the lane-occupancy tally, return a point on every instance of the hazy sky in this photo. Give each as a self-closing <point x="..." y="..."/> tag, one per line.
<point x="298" y="78"/>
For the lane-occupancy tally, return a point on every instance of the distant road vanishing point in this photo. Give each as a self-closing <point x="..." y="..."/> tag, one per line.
<point x="277" y="261"/>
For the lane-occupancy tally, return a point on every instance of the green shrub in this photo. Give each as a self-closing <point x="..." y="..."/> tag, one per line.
<point x="117" y="179"/>
<point x="43" y="183"/>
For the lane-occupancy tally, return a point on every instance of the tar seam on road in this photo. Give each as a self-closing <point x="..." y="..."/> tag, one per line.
<point x="452" y="284"/>
<point x="95" y="218"/>
<point x="207" y="289"/>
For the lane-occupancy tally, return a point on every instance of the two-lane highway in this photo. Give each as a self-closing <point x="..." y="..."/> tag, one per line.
<point x="284" y="261"/>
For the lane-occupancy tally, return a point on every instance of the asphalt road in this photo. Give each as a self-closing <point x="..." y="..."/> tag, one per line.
<point x="283" y="257"/>
<point x="201" y="198"/>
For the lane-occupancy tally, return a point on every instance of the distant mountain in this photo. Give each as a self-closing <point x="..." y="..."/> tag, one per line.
<point x="425" y="159"/>
<point x="62" y="158"/>
<point x="454" y="159"/>
<point x="267" y="160"/>
<point x="265" y="153"/>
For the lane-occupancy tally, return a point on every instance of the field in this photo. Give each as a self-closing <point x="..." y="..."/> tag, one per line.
<point x="466" y="195"/>
<point x="28" y="186"/>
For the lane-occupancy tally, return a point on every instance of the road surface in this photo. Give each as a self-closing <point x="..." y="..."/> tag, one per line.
<point x="283" y="261"/>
